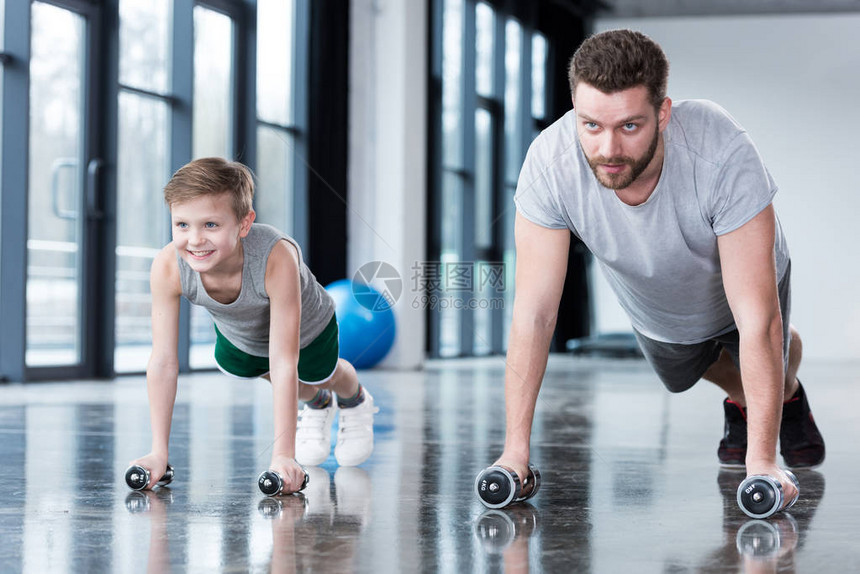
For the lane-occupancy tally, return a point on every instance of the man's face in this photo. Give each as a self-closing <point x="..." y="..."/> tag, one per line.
<point x="619" y="132"/>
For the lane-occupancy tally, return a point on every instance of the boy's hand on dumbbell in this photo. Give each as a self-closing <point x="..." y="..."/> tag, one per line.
<point x="771" y="469"/>
<point x="291" y="472"/>
<point x="155" y="463"/>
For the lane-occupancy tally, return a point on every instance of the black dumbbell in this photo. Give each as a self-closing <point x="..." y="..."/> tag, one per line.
<point x="499" y="486"/>
<point x="137" y="477"/>
<point x="270" y="483"/>
<point x="760" y="495"/>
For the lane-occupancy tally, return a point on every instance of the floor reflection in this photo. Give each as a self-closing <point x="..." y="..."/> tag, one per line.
<point x="630" y="481"/>
<point x="764" y="546"/>
<point x="152" y="504"/>
<point x="506" y="533"/>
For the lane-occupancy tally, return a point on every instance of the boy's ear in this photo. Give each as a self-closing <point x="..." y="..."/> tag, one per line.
<point x="246" y="223"/>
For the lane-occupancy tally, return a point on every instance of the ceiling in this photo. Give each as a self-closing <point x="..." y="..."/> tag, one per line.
<point x="666" y="8"/>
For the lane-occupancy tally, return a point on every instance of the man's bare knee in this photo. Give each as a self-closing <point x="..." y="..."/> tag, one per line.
<point x="721" y="369"/>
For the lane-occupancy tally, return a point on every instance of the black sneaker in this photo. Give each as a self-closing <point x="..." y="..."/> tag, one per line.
<point x="733" y="446"/>
<point x="800" y="442"/>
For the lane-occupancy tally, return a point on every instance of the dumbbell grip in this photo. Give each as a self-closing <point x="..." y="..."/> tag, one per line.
<point x="530" y="484"/>
<point x="137" y="477"/>
<point x="271" y="483"/>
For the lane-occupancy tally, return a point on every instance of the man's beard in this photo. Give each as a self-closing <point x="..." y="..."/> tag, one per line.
<point x="621" y="180"/>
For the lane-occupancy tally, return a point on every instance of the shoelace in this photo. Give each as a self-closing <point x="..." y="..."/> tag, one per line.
<point x="351" y="422"/>
<point x="311" y="424"/>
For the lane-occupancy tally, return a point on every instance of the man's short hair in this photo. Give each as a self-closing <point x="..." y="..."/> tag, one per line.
<point x="213" y="176"/>
<point x="617" y="60"/>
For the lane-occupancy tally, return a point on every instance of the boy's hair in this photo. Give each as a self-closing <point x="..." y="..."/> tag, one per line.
<point x="212" y="176"/>
<point x="616" y="60"/>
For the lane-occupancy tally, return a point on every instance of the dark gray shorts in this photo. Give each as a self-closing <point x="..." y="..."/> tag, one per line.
<point x="681" y="366"/>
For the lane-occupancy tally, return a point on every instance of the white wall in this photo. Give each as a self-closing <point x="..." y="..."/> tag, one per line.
<point x="794" y="83"/>
<point x="388" y="153"/>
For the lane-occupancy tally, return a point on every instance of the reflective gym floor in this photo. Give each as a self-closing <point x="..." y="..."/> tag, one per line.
<point x="630" y="480"/>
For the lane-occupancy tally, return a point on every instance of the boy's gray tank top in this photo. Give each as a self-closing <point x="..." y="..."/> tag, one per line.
<point x="245" y="321"/>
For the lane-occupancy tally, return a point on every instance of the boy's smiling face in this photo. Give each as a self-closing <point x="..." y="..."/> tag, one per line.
<point x="206" y="233"/>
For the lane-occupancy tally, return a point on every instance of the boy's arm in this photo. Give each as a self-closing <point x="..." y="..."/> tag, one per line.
<point x="541" y="268"/>
<point x="163" y="367"/>
<point x="749" y="277"/>
<point x="283" y="285"/>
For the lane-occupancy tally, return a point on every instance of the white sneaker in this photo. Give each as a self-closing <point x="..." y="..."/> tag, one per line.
<point x="313" y="434"/>
<point x="355" y="433"/>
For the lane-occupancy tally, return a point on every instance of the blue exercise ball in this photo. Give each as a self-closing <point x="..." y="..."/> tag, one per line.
<point x="365" y="323"/>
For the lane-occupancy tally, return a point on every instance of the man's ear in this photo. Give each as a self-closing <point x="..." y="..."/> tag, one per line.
<point x="246" y="222"/>
<point x="664" y="114"/>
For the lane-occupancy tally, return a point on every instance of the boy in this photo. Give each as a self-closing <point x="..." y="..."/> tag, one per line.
<point x="272" y="320"/>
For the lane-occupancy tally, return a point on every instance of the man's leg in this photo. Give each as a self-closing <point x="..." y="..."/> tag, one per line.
<point x="795" y="354"/>
<point x="801" y="444"/>
<point x="800" y="441"/>
<point x="732" y="451"/>
<point x="725" y="374"/>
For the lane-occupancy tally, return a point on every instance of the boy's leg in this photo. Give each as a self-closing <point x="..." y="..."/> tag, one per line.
<point x="313" y="433"/>
<point x="344" y="382"/>
<point x="318" y="371"/>
<point x="343" y="393"/>
<point x="355" y="430"/>
<point x="323" y="374"/>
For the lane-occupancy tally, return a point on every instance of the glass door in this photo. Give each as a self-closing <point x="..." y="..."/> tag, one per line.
<point x="213" y="127"/>
<point x="62" y="177"/>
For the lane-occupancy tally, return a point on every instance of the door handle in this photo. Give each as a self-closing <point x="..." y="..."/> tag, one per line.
<point x="94" y="168"/>
<point x="56" y="167"/>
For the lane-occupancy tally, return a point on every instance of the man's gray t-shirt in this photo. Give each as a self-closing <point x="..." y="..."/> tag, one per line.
<point x="660" y="257"/>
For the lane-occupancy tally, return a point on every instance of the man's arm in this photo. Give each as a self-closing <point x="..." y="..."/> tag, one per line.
<point x="542" y="255"/>
<point x="749" y="278"/>
<point x="163" y="367"/>
<point x="283" y="285"/>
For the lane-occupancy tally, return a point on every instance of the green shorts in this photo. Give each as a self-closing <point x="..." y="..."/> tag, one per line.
<point x="317" y="361"/>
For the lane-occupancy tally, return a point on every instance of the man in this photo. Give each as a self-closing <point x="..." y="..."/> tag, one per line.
<point x="674" y="202"/>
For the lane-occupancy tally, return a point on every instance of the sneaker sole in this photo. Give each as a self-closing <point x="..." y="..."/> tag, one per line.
<point x="349" y="463"/>
<point x="807" y="467"/>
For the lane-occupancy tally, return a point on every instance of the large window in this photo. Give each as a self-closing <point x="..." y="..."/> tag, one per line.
<point x="2" y="62"/>
<point x="279" y="112"/>
<point x="54" y="219"/>
<point x="98" y="134"/>
<point x="143" y="166"/>
<point x="213" y="126"/>
<point x="492" y="70"/>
